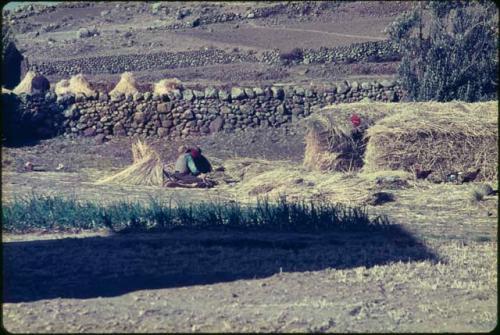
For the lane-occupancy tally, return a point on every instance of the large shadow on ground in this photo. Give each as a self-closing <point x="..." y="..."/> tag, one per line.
<point x="114" y="265"/>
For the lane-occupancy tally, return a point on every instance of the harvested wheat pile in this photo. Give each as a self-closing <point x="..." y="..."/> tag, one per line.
<point x="32" y="83"/>
<point x="76" y="85"/>
<point x="126" y="85"/>
<point x="62" y="87"/>
<point x="165" y="86"/>
<point x="333" y="143"/>
<point x="444" y="137"/>
<point x="146" y="169"/>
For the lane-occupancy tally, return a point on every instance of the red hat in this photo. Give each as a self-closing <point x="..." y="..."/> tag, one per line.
<point x="195" y="152"/>
<point x="355" y="120"/>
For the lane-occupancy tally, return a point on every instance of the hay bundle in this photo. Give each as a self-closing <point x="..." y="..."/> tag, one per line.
<point x="146" y="169"/>
<point x="165" y="86"/>
<point x="62" y="87"/>
<point x="32" y="83"/>
<point x="80" y="85"/>
<point x="126" y="85"/>
<point x="333" y="143"/>
<point x="444" y="137"/>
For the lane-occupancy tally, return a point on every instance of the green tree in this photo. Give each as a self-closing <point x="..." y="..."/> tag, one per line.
<point x="449" y="50"/>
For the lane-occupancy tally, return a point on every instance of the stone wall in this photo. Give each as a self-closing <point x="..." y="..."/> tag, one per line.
<point x="357" y="52"/>
<point x="189" y="112"/>
<point x="152" y="61"/>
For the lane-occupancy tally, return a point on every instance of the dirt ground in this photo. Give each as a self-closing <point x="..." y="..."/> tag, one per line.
<point x="436" y="271"/>
<point x="123" y="31"/>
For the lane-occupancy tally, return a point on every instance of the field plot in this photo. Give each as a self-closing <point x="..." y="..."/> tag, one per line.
<point x="319" y="220"/>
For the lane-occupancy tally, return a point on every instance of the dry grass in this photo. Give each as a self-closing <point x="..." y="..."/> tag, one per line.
<point x="333" y="143"/>
<point x="76" y="85"/>
<point x="25" y="86"/>
<point x="444" y="137"/>
<point x="273" y="178"/>
<point x="146" y="169"/>
<point x="165" y="86"/>
<point x="127" y="85"/>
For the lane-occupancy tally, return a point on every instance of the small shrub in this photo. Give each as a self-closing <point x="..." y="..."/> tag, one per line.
<point x="295" y="55"/>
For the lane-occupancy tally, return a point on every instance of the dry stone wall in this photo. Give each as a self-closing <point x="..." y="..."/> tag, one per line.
<point x="368" y="51"/>
<point x="191" y="111"/>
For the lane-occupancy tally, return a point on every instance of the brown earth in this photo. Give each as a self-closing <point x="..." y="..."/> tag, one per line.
<point x="436" y="271"/>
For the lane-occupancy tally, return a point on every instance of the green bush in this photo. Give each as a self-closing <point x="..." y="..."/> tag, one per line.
<point x="49" y="212"/>
<point x="452" y="55"/>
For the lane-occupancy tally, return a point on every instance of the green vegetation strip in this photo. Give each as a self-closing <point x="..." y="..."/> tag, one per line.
<point x="57" y="213"/>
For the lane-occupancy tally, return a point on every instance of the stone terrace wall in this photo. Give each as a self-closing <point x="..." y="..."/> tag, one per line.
<point x="122" y="63"/>
<point x="191" y="112"/>
<point x="368" y="51"/>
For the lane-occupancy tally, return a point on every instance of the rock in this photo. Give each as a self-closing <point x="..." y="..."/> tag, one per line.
<point x="224" y="95"/>
<point x="164" y="108"/>
<point x="250" y="15"/>
<point x="391" y="96"/>
<point x="175" y="94"/>
<point x="366" y="86"/>
<point x="105" y="12"/>
<point x="71" y="113"/>
<point x="379" y="198"/>
<point x="211" y="93"/>
<point x="100" y="139"/>
<point x="342" y="88"/>
<point x="216" y="124"/>
<point x="225" y="110"/>
<point x="162" y="132"/>
<point x="281" y="109"/>
<point x="139" y="117"/>
<point x="354" y="86"/>
<point x="199" y="94"/>
<point x="249" y="93"/>
<point x="278" y="92"/>
<point x="89" y="132"/>
<point x="188" y="95"/>
<point x="168" y="123"/>
<point x="258" y="91"/>
<point x="300" y="91"/>
<point x="237" y="93"/>
<point x="188" y="115"/>
<point x="388" y="83"/>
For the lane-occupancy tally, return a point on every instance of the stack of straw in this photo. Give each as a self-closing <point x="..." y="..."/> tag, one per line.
<point x="443" y="137"/>
<point x="146" y="169"/>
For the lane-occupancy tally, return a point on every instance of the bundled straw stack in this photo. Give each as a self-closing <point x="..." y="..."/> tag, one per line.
<point x="76" y="85"/>
<point x="32" y="83"/>
<point x="165" y="86"/>
<point x="443" y="137"/>
<point x="146" y="169"/>
<point x="126" y="85"/>
<point x="333" y="143"/>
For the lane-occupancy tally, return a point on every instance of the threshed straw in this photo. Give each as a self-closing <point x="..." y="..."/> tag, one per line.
<point x="76" y="85"/>
<point x="444" y="137"/>
<point x="146" y="169"/>
<point x="126" y="85"/>
<point x="333" y="143"/>
<point x="25" y="86"/>
<point x="165" y="86"/>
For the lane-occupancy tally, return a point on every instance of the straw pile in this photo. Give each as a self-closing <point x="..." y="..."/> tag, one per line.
<point x="165" y="86"/>
<point x="31" y="83"/>
<point x="76" y="85"/>
<point x="126" y="85"/>
<point x="333" y="143"/>
<point x="146" y="169"/>
<point x="444" y="137"/>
